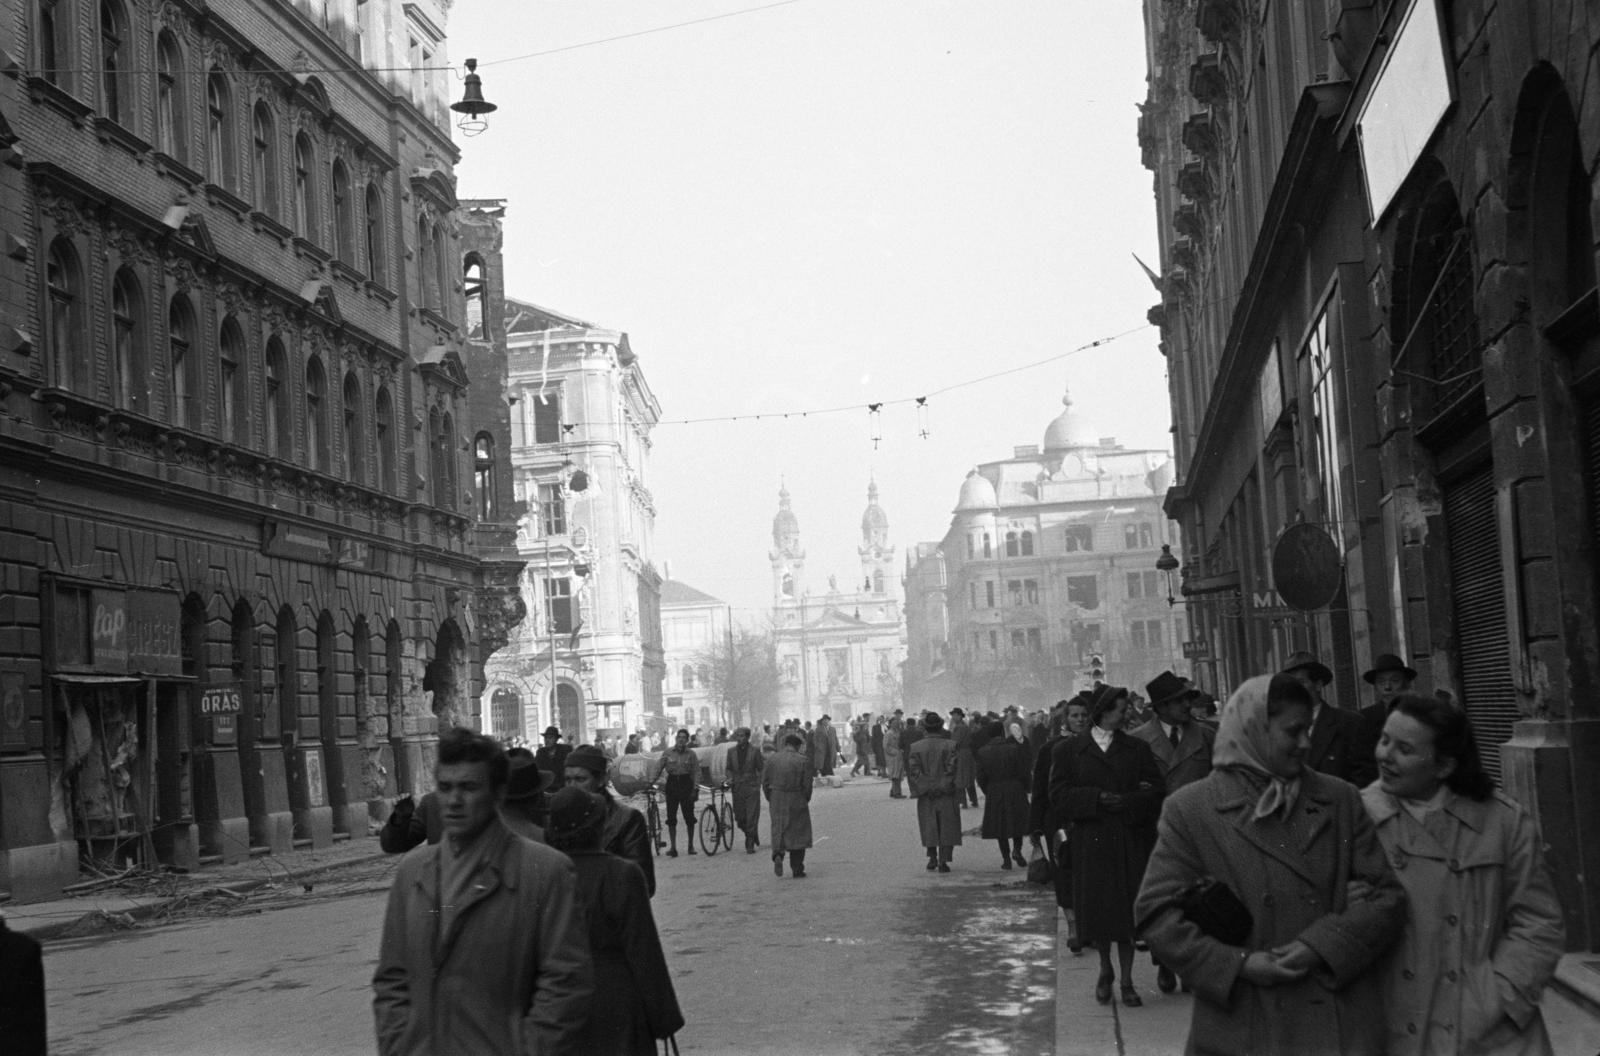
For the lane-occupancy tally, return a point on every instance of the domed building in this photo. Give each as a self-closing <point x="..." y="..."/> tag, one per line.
<point x="1046" y="580"/>
<point x="840" y="650"/>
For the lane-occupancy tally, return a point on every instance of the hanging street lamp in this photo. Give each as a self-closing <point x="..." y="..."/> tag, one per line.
<point x="473" y="107"/>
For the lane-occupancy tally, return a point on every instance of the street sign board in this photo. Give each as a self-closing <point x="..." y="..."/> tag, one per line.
<point x="1196" y="650"/>
<point x="1307" y="568"/>
<point x="224" y="698"/>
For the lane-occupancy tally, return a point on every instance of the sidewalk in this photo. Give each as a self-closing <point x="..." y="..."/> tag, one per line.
<point x="1087" y="1028"/>
<point x="47" y="920"/>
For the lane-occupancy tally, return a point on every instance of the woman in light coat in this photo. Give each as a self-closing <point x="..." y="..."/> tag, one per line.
<point x="1484" y="929"/>
<point x="1298" y="850"/>
<point x="894" y="759"/>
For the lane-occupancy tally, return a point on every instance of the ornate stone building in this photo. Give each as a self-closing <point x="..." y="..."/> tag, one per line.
<point x="839" y="652"/>
<point x="589" y="658"/>
<point x="1047" y="579"/>
<point x="1378" y="306"/>
<point x="238" y="529"/>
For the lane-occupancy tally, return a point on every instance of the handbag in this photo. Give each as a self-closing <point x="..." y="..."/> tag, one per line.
<point x="1040" y="869"/>
<point x="1210" y="905"/>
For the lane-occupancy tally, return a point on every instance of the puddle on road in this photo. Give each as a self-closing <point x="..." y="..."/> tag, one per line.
<point x="986" y="966"/>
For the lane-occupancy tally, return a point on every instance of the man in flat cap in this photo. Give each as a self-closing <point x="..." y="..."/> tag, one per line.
<point x="1336" y="735"/>
<point x="625" y="833"/>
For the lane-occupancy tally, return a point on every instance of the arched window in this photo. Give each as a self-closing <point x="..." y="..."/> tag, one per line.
<point x="316" y="416"/>
<point x="231" y="365"/>
<point x="264" y="160"/>
<point x="1027" y="544"/>
<point x="483" y="475"/>
<point x="172" y="133"/>
<point x="1146" y="535"/>
<point x="441" y="459"/>
<point x="425" y="272"/>
<point x="183" y="359"/>
<point x="447" y="450"/>
<point x="383" y="429"/>
<point x="115" y="52"/>
<point x="127" y="341"/>
<point x="375" y="264"/>
<point x="788" y="585"/>
<point x="305" y="189"/>
<point x="688" y="676"/>
<point x="68" y="349"/>
<point x="52" y="40"/>
<point x="1013" y="548"/>
<point x="988" y="550"/>
<point x="442" y="279"/>
<point x="354" y="440"/>
<point x="477" y="291"/>
<point x="219" y="130"/>
<point x="276" y="419"/>
<point x="344" y="221"/>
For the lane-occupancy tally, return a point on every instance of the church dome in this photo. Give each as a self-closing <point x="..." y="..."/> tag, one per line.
<point x="785" y="526"/>
<point x="1070" y="430"/>
<point x="976" y="493"/>
<point x="874" y="522"/>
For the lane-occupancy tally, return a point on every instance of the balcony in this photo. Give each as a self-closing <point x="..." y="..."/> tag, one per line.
<point x="1200" y="135"/>
<point x="1207" y="82"/>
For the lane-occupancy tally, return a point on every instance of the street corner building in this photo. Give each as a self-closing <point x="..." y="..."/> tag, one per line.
<point x="1047" y="580"/>
<point x="1379" y="312"/>
<point x="254" y="533"/>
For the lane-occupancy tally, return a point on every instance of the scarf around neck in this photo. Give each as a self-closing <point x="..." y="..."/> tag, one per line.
<point x="1241" y="745"/>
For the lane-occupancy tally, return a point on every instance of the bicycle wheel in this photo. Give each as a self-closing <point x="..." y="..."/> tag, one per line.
<point x="710" y="831"/>
<point x="652" y="818"/>
<point x="727" y="825"/>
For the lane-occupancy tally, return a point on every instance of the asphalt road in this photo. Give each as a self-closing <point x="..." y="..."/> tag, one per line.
<point x="870" y="953"/>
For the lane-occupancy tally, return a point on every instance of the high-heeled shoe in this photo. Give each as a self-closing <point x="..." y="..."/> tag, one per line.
<point x="1131" y="998"/>
<point x="1102" y="989"/>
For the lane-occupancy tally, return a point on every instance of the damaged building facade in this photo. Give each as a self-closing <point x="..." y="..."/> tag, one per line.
<point x="245" y="578"/>
<point x="1378" y="305"/>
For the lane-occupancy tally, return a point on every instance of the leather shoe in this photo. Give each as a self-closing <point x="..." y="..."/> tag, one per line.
<point x="1131" y="998"/>
<point x="691" y="848"/>
<point x="1165" y="980"/>
<point x="1005" y="863"/>
<point x="800" y="874"/>
<point x="943" y="868"/>
<point x="672" y="852"/>
<point x="777" y="865"/>
<point x="1102" y="990"/>
<point x="933" y="863"/>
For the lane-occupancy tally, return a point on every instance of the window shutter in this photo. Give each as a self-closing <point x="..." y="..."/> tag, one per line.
<point x="1478" y="595"/>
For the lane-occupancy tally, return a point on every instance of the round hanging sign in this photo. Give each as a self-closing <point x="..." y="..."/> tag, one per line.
<point x="1307" y="567"/>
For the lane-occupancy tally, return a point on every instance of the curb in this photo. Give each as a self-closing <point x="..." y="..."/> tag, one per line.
<point x="57" y="929"/>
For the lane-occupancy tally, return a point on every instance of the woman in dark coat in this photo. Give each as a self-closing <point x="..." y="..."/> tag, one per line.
<point x="1109" y="786"/>
<point x="1001" y="769"/>
<point x="634" y="1003"/>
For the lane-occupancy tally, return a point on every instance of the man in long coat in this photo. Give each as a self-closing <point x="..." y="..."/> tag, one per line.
<point x="931" y="766"/>
<point x="824" y="746"/>
<point x="1182" y="746"/>
<point x="966" y="759"/>
<point x="745" y="764"/>
<point x="786" y="782"/>
<point x="877" y="746"/>
<point x="1337" y="745"/>
<point x="863" y="742"/>
<point x="485" y="947"/>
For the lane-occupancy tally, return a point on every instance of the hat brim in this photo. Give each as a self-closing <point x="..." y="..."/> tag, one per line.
<point x="545" y="781"/>
<point x="1317" y="668"/>
<point x="1182" y="694"/>
<point x="1371" y="677"/>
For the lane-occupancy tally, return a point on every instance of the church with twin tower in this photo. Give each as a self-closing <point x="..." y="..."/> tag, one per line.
<point x="840" y="650"/>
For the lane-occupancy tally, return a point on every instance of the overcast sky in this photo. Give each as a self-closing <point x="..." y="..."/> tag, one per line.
<point x="831" y="202"/>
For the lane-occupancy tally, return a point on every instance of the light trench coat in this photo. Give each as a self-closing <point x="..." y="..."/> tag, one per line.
<point x="1483" y="931"/>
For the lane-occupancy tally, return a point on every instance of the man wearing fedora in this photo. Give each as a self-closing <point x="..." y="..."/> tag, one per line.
<point x="523" y="809"/>
<point x="1337" y="744"/>
<point x="552" y="758"/>
<point x="1390" y="679"/>
<point x="1182" y="746"/>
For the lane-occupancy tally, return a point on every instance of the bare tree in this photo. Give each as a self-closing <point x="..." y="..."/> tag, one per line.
<point x="744" y="674"/>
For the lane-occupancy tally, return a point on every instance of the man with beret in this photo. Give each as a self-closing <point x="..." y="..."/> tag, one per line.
<point x="931" y="768"/>
<point x="1336" y="735"/>
<point x="624" y="833"/>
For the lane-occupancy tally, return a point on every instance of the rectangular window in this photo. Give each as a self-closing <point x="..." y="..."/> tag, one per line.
<point x="1135" y="585"/>
<point x="547" y="419"/>
<point x="1152" y="584"/>
<point x="230" y="409"/>
<point x="1080" y="537"/>
<point x="1018" y="640"/>
<point x="414" y="58"/>
<point x="1130" y="537"/>
<point x="972" y="591"/>
<point x="1030" y="590"/>
<point x="1318" y="354"/>
<point x="1035" y="640"/>
<point x="426" y="102"/>
<point x="1145" y="635"/>
<point x="1136" y="635"/>
<point x="553" y="509"/>
<point x="988" y="593"/>
<point x="977" y="642"/>
<point x="972" y="547"/>
<point x="994" y="641"/>
<point x="1084" y="592"/>
<point x="1014" y="587"/>
<point x="558" y="605"/>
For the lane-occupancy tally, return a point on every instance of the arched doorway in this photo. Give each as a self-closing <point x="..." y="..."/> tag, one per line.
<point x="505" y="713"/>
<point x="568" y="712"/>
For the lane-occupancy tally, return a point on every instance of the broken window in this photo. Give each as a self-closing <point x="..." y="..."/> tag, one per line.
<point x="1083" y="591"/>
<point x="1080" y="537"/>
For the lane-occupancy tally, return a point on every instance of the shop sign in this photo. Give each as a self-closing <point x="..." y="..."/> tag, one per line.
<point x="153" y="644"/>
<point x="13" y="710"/>
<point x="315" y="790"/>
<point x="224" y="698"/>
<point x="1196" y="650"/>
<point x="108" y="630"/>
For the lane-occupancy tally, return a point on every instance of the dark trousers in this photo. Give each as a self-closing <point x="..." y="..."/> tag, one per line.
<point x="680" y="796"/>
<point x="1015" y="850"/>
<point x="971" y="791"/>
<point x="797" y="860"/>
<point x="894" y="786"/>
<point x="861" y="765"/>
<point x="942" y="854"/>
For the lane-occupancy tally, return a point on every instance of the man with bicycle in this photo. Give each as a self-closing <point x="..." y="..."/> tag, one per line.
<point x="745" y="763"/>
<point x="681" y="768"/>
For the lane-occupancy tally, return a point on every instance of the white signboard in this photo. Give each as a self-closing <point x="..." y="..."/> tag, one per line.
<point x="1408" y="100"/>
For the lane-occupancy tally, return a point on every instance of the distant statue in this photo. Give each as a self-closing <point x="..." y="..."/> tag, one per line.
<point x="833" y="584"/>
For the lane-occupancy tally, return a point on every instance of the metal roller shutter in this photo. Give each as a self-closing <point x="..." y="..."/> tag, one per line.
<point x="1478" y="593"/>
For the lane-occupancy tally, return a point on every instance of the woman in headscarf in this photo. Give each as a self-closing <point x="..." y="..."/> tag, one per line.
<point x="1110" y="787"/>
<point x="1297" y="849"/>
<point x="1002" y="767"/>
<point x="894" y="759"/>
<point x="1484" y="928"/>
<point x="636" y="1005"/>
